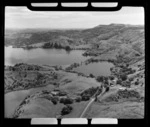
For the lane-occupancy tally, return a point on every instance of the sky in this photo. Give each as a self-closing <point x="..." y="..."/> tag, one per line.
<point x="22" y="17"/>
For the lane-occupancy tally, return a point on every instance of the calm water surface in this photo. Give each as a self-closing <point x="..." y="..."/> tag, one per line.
<point x="47" y="57"/>
<point x="97" y="69"/>
<point x="42" y="56"/>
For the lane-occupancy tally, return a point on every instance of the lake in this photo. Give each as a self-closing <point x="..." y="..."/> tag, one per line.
<point x="47" y="57"/>
<point x="97" y="69"/>
<point x="42" y="56"/>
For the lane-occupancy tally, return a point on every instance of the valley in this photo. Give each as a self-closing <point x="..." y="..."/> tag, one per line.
<point x="60" y="73"/>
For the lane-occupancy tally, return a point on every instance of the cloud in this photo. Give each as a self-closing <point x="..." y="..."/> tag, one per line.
<point x="21" y="17"/>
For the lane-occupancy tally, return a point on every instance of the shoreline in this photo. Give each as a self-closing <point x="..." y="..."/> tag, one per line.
<point x="34" y="47"/>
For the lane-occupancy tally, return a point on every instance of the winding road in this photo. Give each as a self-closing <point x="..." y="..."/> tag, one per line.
<point x="87" y="107"/>
<point x="91" y="101"/>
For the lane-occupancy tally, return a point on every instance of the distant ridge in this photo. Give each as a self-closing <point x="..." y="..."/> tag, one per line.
<point x="71" y="37"/>
<point x="115" y="24"/>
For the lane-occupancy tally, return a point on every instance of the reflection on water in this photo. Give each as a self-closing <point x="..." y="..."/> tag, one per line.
<point x="97" y="69"/>
<point x="42" y="56"/>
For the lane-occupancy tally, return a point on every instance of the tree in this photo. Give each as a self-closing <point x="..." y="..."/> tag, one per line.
<point x="67" y="48"/>
<point x="127" y="65"/>
<point x="59" y="46"/>
<point x="89" y="92"/>
<point x="106" y="82"/>
<point x="47" y="45"/>
<point x="66" y="101"/>
<point x="123" y="77"/>
<point x="131" y="79"/>
<point x="54" y="100"/>
<point x="56" y="45"/>
<point x="55" y="77"/>
<point x="55" y="84"/>
<point x="111" y="77"/>
<point x="126" y="84"/>
<point x="106" y="79"/>
<point x="133" y="71"/>
<point x="111" y="68"/>
<point x="91" y="75"/>
<point x="45" y="91"/>
<point x="66" y="110"/>
<point x="62" y="93"/>
<point x="85" y="98"/>
<point x="118" y="82"/>
<point x="78" y="99"/>
<point x="136" y="83"/>
<point x="107" y="89"/>
<point x="100" y="79"/>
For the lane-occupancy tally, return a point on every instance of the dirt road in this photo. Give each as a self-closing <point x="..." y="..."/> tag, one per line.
<point x="82" y="114"/>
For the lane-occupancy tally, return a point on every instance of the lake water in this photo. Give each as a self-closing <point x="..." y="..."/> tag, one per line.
<point x="97" y="69"/>
<point x="47" y="57"/>
<point x="42" y="56"/>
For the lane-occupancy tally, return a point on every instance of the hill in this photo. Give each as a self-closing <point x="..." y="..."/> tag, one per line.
<point x="112" y="32"/>
<point x="53" y="91"/>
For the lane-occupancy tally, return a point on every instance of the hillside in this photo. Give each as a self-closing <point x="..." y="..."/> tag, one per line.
<point x="112" y="32"/>
<point x="61" y="91"/>
<point x="40" y="91"/>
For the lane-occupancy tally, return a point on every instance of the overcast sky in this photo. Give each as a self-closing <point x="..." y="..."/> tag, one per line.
<point x="21" y="17"/>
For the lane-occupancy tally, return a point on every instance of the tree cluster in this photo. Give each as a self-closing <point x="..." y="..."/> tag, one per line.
<point x="66" y="100"/>
<point x="66" y="110"/>
<point x="88" y="93"/>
